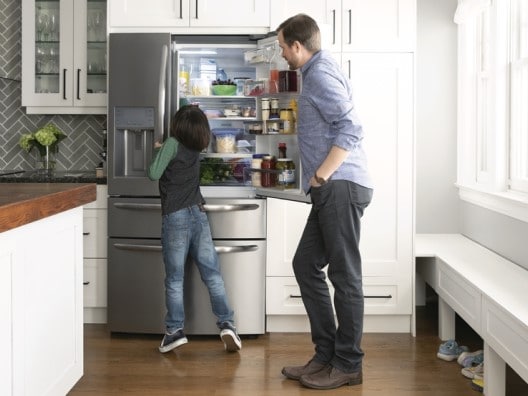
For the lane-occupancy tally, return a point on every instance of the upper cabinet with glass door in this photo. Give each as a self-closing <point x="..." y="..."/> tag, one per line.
<point x="64" y="47"/>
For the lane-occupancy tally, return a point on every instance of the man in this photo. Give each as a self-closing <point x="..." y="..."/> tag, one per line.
<point x="336" y="177"/>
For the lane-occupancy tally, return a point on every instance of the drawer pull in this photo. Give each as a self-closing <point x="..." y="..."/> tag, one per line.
<point x="86" y="233"/>
<point x="387" y="296"/>
<point x="230" y="207"/>
<point x="86" y="283"/>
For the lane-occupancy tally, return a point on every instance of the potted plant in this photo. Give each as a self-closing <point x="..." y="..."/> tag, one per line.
<point x="46" y="141"/>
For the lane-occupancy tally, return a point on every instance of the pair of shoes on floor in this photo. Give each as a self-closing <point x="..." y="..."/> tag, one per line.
<point x="478" y="385"/>
<point x="468" y="359"/>
<point x="171" y="341"/>
<point x="450" y="350"/>
<point x="229" y="336"/>
<point x="474" y="372"/>
<point x="316" y="375"/>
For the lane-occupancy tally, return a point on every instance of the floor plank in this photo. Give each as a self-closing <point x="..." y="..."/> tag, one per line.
<point x="395" y="364"/>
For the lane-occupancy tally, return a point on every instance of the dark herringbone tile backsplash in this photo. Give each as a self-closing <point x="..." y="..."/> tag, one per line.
<point x="79" y="151"/>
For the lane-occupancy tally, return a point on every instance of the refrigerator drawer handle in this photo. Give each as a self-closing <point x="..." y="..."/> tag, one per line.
<point x="131" y="246"/>
<point x="138" y="206"/>
<point x="235" y="249"/>
<point x="230" y="207"/>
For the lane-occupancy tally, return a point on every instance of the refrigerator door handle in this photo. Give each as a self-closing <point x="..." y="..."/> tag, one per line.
<point x="137" y="206"/>
<point x="135" y="247"/>
<point x="162" y="92"/>
<point x="230" y="207"/>
<point x="157" y="248"/>
<point x="236" y="249"/>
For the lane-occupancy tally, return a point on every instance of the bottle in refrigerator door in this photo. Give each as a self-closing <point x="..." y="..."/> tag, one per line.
<point x="184" y="78"/>
<point x="282" y="150"/>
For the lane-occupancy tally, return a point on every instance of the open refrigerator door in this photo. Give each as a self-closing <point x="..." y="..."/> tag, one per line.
<point x="276" y="169"/>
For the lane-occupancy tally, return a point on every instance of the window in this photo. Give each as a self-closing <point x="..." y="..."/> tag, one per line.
<point x="493" y="104"/>
<point x="519" y="96"/>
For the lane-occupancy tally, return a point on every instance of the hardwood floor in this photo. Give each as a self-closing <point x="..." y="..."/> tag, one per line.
<point x="395" y="364"/>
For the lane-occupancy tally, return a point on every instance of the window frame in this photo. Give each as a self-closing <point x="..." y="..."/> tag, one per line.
<point x="488" y="149"/>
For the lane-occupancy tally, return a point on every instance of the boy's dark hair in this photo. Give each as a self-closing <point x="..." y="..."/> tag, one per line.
<point x="301" y="28"/>
<point x="190" y="127"/>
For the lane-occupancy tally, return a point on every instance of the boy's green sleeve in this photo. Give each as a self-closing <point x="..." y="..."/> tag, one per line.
<point x="163" y="155"/>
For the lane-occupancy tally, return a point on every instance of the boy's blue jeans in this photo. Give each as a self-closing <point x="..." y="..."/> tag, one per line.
<point x="187" y="232"/>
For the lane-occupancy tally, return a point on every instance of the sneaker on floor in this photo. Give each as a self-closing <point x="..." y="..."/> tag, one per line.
<point x="450" y="350"/>
<point x="468" y="359"/>
<point x="229" y="336"/>
<point x="171" y="341"/>
<point x="478" y="385"/>
<point x="475" y="372"/>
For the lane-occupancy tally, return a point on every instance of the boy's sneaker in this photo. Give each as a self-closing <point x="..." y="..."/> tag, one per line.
<point x="171" y="341"/>
<point x="229" y="336"/>
<point x="475" y="372"/>
<point x="450" y="350"/>
<point x="468" y="359"/>
<point x="478" y="385"/>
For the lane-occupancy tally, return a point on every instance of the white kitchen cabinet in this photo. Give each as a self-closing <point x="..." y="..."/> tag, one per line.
<point x="283" y="9"/>
<point x="64" y="56"/>
<point x="190" y="16"/>
<point x="41" y="306"/>
<point x="384" y="98"/>
<point x="383" y="95"/>
<point x="95" y="255"/>
<point x="373" y="25"/>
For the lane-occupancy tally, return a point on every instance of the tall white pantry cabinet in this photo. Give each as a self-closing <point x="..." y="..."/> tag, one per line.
<point x="375" y="42"/>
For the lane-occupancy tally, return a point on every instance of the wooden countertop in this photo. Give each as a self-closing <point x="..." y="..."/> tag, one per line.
<point x="23" y="203"/>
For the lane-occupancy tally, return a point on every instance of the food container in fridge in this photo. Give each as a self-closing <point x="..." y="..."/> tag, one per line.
<point x="200" y="87"/>
<point x="225" y="140"/>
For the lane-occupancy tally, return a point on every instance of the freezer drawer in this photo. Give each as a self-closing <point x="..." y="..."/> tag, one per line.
<point x="136" y="294"/>
<point x="229" y="218"/>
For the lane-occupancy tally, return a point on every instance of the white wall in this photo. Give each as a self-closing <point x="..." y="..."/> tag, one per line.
<point x="437" y="204"/>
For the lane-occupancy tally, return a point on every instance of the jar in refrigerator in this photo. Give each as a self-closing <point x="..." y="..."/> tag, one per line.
<point x="286" y="173"/>
<point x="256" y="164"/>
<point x="274" y="108"/>
<point x="268" y="178"/>
<point x="273" y="127"/>
<point x="288" y="123"/>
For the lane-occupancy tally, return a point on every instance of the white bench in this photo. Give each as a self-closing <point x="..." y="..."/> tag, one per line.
<point x="489" y="292"/>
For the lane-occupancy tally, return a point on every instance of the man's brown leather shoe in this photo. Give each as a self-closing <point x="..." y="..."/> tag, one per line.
<point x="295" y="372"/>
<point x="331" y="378"/>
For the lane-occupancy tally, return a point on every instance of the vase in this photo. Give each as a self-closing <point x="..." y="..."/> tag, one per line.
<point x="46" y="161"/>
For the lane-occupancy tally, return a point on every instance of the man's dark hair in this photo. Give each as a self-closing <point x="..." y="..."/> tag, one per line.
<point x="301" y="28"/>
